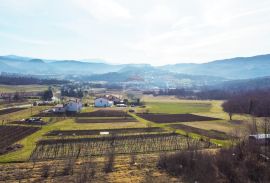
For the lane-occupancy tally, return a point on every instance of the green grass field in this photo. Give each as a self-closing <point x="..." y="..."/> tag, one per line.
<point x="24" y="88"/>
<point x="177" y="107"/>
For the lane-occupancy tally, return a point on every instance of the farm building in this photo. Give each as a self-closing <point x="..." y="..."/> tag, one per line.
<point x="70" y="106"/>
<point x="73" y="106"/>
<point x="113" y="98"/>
<point x="59" y="108"/>
<point x="103" y="102"/>
<point x="260" y="138"/>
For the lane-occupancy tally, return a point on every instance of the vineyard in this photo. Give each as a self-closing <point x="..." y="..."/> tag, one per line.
<point x="82" y="147"/>
<point x="97" y="132"/>
<point x="12" y="134"/>
<point x="171" y="118"/>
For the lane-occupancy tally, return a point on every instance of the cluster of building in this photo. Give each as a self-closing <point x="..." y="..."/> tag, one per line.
<point x="75" y="105"/>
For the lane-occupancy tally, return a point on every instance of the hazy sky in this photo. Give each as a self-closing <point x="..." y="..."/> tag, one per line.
<point x="135" y="31"/>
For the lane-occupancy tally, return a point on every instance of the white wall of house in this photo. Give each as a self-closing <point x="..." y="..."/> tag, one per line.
<point x="103" y="102"/>
<point x="59" y="110"/>
<point x="73" y="106"/>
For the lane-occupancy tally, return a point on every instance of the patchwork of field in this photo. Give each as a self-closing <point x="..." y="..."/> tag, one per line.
<point x="171" y="118"/>
<point x="82" y="147"/>
<point x="12" y="134"/>
<point x="204" y="118"/>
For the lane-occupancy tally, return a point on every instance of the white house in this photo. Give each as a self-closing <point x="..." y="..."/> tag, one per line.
<point x="103" y="102"/>
<point x="59" y="108"/>
<point x="73" y="106"/>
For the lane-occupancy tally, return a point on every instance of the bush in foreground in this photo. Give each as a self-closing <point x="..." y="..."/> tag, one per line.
<point x="246" y="162"/>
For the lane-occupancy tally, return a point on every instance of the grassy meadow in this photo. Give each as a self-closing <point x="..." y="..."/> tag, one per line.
<point x="24" y="88"/>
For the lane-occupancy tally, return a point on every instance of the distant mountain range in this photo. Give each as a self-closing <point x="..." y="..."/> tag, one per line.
<point x="234" y="68"/>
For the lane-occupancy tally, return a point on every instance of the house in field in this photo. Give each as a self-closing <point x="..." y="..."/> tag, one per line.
<point x="70" y="106"/>
<point x="59" y="108"/>
<point x="103" y="102"/>
<point x="73" y="106"/>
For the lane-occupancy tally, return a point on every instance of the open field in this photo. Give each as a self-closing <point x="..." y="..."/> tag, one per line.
<point x="177" y="107"/>
<point x="97" y="132"/>
<point x="213" y="134"/>
<point x="96" y="113"/>
<point x="22" y="114"/>
<point x="12" y="134"/>
<point x="171" y="118"/>
<point x="223" y="126"/>
<point x="24" y="88"/>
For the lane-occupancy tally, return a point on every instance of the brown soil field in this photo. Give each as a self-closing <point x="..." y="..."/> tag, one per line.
<point x="12" y="134"/>
<point x="171" y="118"/>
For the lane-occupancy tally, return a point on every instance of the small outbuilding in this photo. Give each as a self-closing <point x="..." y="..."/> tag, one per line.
<point x="260" y="138"/>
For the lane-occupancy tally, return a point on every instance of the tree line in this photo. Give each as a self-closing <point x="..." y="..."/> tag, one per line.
<point x="255" y="102"/>
<point x="28" y="80"/>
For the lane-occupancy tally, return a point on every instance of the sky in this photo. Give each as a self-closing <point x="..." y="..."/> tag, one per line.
<point x="156" y="32"/>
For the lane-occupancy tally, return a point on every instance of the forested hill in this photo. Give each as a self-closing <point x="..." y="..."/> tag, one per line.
<point x="27" y="80"/>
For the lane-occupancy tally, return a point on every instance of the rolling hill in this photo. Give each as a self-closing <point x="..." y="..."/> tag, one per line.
<point x="234" y="68"/>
